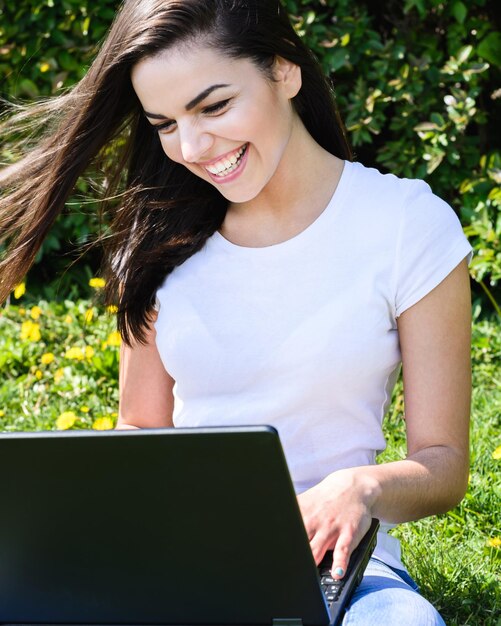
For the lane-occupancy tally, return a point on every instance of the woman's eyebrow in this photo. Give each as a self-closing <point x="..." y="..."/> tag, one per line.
<point x="192" y="103"/>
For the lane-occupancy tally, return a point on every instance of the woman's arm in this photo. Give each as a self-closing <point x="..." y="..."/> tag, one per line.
<point x="435" y="343"/>
<point x="146" y="399"/>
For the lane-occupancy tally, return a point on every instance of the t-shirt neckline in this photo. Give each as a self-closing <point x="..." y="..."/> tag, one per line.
<point x="303" y="237"/>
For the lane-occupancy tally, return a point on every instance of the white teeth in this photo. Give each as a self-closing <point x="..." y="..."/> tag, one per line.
<point x="226" y="165"/>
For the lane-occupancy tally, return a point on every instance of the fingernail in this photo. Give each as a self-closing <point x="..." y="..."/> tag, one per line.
<point x="339" y="571"/>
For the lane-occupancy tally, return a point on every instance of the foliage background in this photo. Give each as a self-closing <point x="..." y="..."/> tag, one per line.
<point x="418" y="84"/>
<point x="417" y="81"/>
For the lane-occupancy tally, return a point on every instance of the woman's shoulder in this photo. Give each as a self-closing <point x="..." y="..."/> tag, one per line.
<point x="383" y="188"/>
<point x="389" y="199"/>
<point x="375" y="203"/>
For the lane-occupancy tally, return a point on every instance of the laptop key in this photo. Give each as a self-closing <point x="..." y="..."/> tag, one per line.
<point x="328" y="580"/>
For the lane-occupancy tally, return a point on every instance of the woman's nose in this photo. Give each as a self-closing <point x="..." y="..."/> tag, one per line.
<point x="194" y="144"/>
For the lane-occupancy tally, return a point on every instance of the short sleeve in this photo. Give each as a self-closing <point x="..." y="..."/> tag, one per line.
<point x="431" y="243"/>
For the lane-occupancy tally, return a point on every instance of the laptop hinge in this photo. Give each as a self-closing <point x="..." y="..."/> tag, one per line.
<point x="287" y="621"/>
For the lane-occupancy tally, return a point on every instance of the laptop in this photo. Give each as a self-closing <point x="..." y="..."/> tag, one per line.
<point x="166" y="527"/>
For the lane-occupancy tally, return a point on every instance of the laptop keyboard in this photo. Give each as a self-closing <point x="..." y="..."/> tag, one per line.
<point x="331" y="588"/>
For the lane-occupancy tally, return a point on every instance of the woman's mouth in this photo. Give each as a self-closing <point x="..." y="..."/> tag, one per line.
<point x="228" y="165"/>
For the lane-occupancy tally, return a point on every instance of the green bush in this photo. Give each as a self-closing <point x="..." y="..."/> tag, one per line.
<point x="417" y="83"/>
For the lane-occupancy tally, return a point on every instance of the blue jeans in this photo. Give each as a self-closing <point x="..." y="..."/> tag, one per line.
<point x="389" y="596"/>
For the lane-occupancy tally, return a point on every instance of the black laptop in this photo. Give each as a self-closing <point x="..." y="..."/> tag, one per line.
<point x="171" y="527"/>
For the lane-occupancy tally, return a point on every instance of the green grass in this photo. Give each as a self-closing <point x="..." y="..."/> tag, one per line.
<point x="82" y="378"/>
<point x="449" y="555"/>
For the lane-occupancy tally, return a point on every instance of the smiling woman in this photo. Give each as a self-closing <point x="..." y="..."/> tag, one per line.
<point x="260" y="275"/>
<point x="104" y="105"/>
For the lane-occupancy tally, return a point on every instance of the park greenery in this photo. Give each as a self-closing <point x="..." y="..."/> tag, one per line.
<point x="418" y="85"/>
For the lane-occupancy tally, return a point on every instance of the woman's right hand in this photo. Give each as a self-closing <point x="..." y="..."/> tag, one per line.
<point x="337" y="514"/>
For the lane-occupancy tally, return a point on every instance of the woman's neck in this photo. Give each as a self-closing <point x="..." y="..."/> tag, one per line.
<point x="298" y="192"/>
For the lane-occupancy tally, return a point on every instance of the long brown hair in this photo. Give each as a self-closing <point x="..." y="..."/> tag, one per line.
<point x="165" y="213"/>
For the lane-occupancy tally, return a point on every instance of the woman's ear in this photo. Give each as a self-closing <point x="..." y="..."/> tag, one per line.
<point x="288" y="74"/>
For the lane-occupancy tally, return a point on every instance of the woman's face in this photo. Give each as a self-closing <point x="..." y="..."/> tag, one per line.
<point x="219" y="117"/>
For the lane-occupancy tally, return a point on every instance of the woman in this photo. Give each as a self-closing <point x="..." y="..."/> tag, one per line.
<point x="261" y="275"/>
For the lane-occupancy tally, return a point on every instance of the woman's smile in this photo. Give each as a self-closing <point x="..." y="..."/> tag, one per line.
<point x="229" y="167"/>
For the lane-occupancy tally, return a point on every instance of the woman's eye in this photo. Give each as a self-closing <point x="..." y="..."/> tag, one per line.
<point x="219" y="106"/>
<point x="168" y="127"/>
<point x="165" y="127"/>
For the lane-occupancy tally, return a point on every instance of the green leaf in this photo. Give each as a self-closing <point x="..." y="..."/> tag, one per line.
<point x="310" y="17"/>
<point x="464" y="54"/>
<point x="437" y="119"/>
<point x="85" y="26"/>
<point x="28" y="88"/>
<point x="426" y="126"/>
<point x="459" y="11"/>
<point x="476" y="68"/>
<point x="337" y="58"/>
<point x="418" y="4"/>
<point x="490" y="48"/>
<point x="345" y="40"/>
<point x="67" y="61"/>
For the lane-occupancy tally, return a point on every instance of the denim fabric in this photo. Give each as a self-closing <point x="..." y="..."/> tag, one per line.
<point x="389" y="597"/>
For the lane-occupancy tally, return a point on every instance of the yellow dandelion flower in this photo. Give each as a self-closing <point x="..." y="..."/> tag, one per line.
<point x="30" y="331"/>
<point x="2" y="413"/>
<point x="84" y="409"/>
<point x="89" y="352"/>
<point x="66" y="420"/>
<point x="25" y="330"/>
<point x="20" y="290"/>
<point x="35" y="312"/>
<point x="103" y="423"/>
<point x="44" y="67"/>
<point x="58" y="375"/>
<point x="497" y="453"/>
<point x="114" y="339"/>
<point x="68" y="319"/>
<point x="112" y="309"/>
<point x="47" y="358"/>
<point x="75" y="354"/>
<point x="89" y="314"/>
<point x="114" y="414"/>
<point x="38" y="374"/>
<point x="97" y="283"/>
<point x="494" y="542"/>
<point x="22" y="311"/>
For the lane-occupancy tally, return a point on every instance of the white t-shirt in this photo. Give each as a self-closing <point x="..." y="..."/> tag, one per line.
<point x="302" y="335"/>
